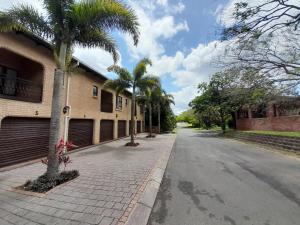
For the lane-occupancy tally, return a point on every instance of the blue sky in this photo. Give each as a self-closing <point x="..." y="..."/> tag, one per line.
<point x="180" y="37"/>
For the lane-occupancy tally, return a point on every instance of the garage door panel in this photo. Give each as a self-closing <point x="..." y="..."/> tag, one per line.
<point x="106" y="130"/>
<point x="23" y="139"/>
<point x="122" y="128"/>
<point x="138" y="126"/>
<point x="81" y="132"/>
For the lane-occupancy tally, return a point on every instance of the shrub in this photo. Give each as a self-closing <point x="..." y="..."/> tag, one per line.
<point x="61" y="150"/>
<point x="43" y="184"/>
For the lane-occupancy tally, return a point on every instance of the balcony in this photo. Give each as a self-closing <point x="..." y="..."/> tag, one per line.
<point x="20" y="89"/>
<point x="21" y="79"/>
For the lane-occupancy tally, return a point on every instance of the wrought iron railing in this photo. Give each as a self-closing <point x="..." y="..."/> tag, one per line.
<point x="20" y="89"/>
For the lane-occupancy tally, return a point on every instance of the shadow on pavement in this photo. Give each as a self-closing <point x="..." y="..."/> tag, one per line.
<point x="207" y="134"/>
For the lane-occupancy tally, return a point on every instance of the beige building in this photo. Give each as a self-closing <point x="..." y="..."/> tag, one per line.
<point x="92" y="115"/>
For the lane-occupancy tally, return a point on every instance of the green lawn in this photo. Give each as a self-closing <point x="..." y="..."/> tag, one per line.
<point x="277" y="133"/>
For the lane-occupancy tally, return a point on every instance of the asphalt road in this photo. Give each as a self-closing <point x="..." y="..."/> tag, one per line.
<point x="212" y="181"/>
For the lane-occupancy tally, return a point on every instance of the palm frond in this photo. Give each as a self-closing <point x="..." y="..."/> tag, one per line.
<point x="141" y="68"/>
<point x="148" y="82"/>
<point x="25" y="18"/>
<point x="119" y="85"/>
<point x="107" y="15"/>
<point x="96" y="38"/>
<point x="59" y="15"/>
<point x="123" y="73"/>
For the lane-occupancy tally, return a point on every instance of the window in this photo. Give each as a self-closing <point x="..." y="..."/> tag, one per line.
<point x="119" y="100"/>
<point x="126" y="102"/>
<point x="95" y="91"/>
<point x="106" y="101"/>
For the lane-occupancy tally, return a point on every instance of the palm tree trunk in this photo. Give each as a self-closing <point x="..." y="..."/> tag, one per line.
<point x="158" y="110"/>
<point x="144" y="121"/>
<point x="132" y="116"/>
<point x="150" y="120"/>
<point x="56" y="113"/>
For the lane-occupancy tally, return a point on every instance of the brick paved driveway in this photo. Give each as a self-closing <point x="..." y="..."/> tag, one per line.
<point x="111" y="179"/>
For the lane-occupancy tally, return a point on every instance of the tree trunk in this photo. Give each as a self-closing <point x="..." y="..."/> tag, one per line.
<point x="132" y="116"/>
<point x="56" y="113"/>
<point x="144" y="121"/>
<point x="158" y="110"/>
<point x="150" y="120"/>
<point x="223" y="124"/>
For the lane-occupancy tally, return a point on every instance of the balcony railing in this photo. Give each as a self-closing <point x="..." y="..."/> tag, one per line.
<point x="16" y="88"/>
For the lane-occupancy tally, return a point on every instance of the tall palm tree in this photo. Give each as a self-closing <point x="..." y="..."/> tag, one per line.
<point x="134" y="81"/>
<point x="148" y="96"/>
<point x="163" y="99"/>
<point x="69" y="23"/>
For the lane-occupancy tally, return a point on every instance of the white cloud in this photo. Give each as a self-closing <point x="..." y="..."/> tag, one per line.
<point x="153" y="28"/>
<point x="6" y="4"/>
<point x="98" y="59"/>
<point x="189" y="70"/>
<point x="183" y="97"/>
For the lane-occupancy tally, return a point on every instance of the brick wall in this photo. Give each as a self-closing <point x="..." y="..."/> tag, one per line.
<point x="283" y="123"/>
<point x="83" y="104"/>
<point x="271" y="122"/>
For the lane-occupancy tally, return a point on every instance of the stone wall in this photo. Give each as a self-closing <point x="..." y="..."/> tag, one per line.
<point x="288" y="143"/>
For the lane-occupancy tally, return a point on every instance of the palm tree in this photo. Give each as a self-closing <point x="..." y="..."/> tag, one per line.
<point x="125" y="81"/>
<point x="69" y="23"/>
<point x="163" y="99"/>
<point x="148" y="97"/>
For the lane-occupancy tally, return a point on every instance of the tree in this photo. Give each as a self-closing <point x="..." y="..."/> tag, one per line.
<point x="147" y="95"/>
<point x="126" y="80"/>
<point x="187" y="117"/>
<point x="266" y="36"/>
<point x="229" y="90"/>
<point x="163" y="99"/>
<point x="265" y="17"/>
<point x="69" y="23"/>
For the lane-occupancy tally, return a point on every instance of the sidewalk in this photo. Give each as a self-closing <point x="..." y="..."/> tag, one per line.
<point x="112" y="178"/>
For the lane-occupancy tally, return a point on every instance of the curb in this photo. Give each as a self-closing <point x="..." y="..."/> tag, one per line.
<point x="143" y="208"/>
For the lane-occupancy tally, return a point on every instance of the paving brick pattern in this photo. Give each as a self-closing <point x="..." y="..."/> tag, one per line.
<point x="111" y="180"/>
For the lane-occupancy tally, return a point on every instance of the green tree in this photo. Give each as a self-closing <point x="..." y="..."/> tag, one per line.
<point x="231" y="89"/>
<point x="162" y="99"/>
<point x="187" y="117"/>
<point x="126" y="80"/>
<point x="148" y="95"/>
<point x="69" y="23"/>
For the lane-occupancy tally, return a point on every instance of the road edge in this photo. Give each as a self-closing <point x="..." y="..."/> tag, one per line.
<point x="143" y="208"/>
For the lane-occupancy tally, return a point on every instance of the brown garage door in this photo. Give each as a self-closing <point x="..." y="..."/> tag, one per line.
<point x="106" y="130"/>
<point x="23" y="139"/>
<point x="81" y="132"/>
<point x="139" y="130"/>
<point x="121" y="128"/>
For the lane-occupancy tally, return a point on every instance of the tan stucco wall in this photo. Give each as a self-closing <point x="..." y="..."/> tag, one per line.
<point x="83" y="104"/>
<point x="27" y="48"/>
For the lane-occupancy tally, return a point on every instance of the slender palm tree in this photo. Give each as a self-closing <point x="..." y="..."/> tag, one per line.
<point x="163" y="99"/>
<point x="66" y="24"/>
<point x="135" y="81"/>
<point x="149" y="96"/>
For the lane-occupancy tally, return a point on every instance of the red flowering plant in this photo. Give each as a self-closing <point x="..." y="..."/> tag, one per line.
<point x="62" y="149"/>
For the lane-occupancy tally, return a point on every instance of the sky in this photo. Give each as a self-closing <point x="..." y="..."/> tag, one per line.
<point x="179" y="36"/>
